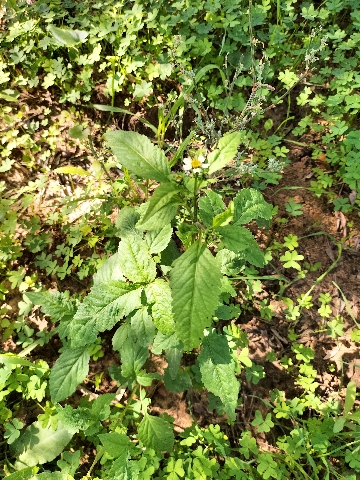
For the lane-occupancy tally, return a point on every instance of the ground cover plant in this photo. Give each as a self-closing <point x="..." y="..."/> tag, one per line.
<point x="171" y="176"/>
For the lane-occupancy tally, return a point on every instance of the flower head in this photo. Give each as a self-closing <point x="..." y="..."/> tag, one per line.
<point x="195" y="164"/>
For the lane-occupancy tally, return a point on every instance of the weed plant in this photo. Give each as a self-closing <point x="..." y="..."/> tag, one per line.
<point x="166" y="284"/>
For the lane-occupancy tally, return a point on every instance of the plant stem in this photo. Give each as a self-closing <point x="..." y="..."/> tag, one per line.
<point x="130" y="399"/>
<point x="195" y="197"/>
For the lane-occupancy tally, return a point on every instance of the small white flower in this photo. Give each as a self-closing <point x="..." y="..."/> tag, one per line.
<point x="195" y="164"/>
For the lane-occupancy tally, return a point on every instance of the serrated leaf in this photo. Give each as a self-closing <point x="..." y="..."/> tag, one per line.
<point x="156" y="433"/>
<point x="126" y="221"/>
<point x="229" y="261"/>
<point x="105" y="305"/>
<point x="100" y="407"/>
<point x="69" y="370"/>
<point x="241" y="241"/>
<point x="68" y="37"/>
<point x="145" y="379"/>
<point x="255" y="256"/>
<point x="236" y="238"/>
<point x="143" y="327"/>
<point x="38" y="445"/>
<point x="164" y="342"/>
<point x="133" y="357"/>
<point x="218" y="371"/>
<point x="158" y="293"/>
<point x="75" y="419"/>
<point x="196" y="286"/>
<point x="158" y="240"/>
<point x="249" y="204"/>
<point x="135" y="260"/>
<point x="210" y="206"/>
<point x="116" y="444"/>
<point x="173" y="358"/>
<point x="109" y="270"/>
<point x="121" y="335"/>
<point x="55" y="304"/>
<point x="139" y="155"/>
<point x="162" y="207"/>
<point x="226" y="151"/>
<point x="181" y="382"/>
<point x="224" y="218"/>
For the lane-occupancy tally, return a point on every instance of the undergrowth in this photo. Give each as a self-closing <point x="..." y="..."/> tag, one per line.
<point x="147" y="249"/>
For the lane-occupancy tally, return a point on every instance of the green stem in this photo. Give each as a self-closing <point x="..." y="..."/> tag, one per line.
<point x="195" y="197"/>
<point x="93" y="151"/>
<point x="130" y="399"/>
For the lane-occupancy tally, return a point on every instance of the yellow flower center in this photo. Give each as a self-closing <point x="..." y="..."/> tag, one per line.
<point x="195" y="163"/>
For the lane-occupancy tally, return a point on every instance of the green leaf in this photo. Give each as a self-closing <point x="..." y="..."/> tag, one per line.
<point x="158" y="294"/>
<point x="38" y="445"/>
<point x="9" y="95"/>
<point x="295" y="209"/>
<point x="236" y="238"/>
<point x="240" y="240"/>
<point x="73" y="171"/>
<point x="122" y="334"/>
<point x="158" y="240"/>
<point x="78" y="132"/>
<point x="178" y="384"/>
<point x="116" y="444"/>
<point x="339" y="424"/>
<point x="349" y="397"/>
<point x="12" y="359"/>
<point x="106" y="304"/>
<point x="226" y="151"/>
<point x="173" y="358"/>
<point x="143" y="327"/>
<point x="210" y="206"/>
<point x="165" y="342"/>
<point x="196" y="285"/>
<point x="139" y="155"/>
<point x="68" y="37"/>
<point x="69" y="370"/>
<point x="75" y="419"/>
<point x="145" y="379"/>
<point x="135" y="260"/>
<point x="156" y="433"/>
<point x="109" y="270"/>
<point x="263" y="425"/>
<point x="218" y="371"/>
<point x="249" y="204"/>
<point x="55" y="304"/>
<point x="53" y="476"/>
<point x="243" y="357"/>
<point x="126" y="221"/>
<point x="24" y="474"/>
<point x="161" y="208"/>
<point x="224" y="218"/>
<point x="133" y="357"/>
<point x="290" y="259"/>
<point x="109" y="108"/>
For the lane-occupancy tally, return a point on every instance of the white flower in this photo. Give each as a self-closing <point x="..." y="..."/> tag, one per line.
<point x="195" y="164"/>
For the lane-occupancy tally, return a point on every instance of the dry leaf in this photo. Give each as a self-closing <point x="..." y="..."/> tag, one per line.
<point x="352" y="197"/>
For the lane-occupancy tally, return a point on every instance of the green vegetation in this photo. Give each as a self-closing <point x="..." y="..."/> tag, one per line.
<point x="139" y="143"/>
